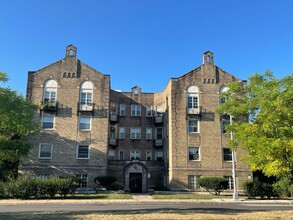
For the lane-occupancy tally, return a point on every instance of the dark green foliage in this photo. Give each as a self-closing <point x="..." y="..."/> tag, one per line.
<point x="105" y="181"/>
<point x="214" y="185"/>
<point x="284" y="187"/>
<point x="253" y="189"/>
<point x="116" y="186"/>
<point x="25" y="187"/>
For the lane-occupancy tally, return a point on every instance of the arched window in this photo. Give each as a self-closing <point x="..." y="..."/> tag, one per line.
<point x="222" y="90"/>
<point x="50" y="92"/>
<point x="86" y="94"/>
<point x="192" y="100"/>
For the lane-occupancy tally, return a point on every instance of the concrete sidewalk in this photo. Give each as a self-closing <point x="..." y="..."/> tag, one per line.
<point x="146" y="198"/>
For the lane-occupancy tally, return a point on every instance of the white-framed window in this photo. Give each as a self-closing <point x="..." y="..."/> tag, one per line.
<point x="149" y="111"/>
<point x="50" y="92"/>
<point x="112" y="132"/>
<point x="193" y="182"/>
<point x="148" y="155"/>
<point x="134" y="133"/>
<point x="111" y="155"/>
<point x="122" y="109"/>
<point x="83" y="180"/>
<point x="149" y="132"/>
<point x="159" y="111"/>
<point x="86" y="93"/>
<point x="113" y="108"/>
<point x="227" y="154"/>
<point x="159" y="133"/>
<point x="121" y="132"/>
<point x="193" y="153"/>
<point x="121" y="155"/>
<point x="135" y="155"/>
<point x="45" y="151"/>
<point x="222" y="90"/>
<point x="83" y="152"/>
<point x="159" y="155"/>
<point x="85" y="123"/>
<point x="48" y="121"/>
<point x="225" y="122"/>
<point x="193" y="126"/>
<point x="192" y="102"/>
<point x="135" y="110"/>
<point x="230" y="182"/>
<point x="192" y="99"/>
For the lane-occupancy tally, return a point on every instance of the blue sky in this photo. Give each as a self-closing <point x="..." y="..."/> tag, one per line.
<point x="146" y="42"/>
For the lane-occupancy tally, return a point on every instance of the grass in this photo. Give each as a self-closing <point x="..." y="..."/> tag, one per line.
<point x="197" y="196"/>
<point x="158" y="215"/>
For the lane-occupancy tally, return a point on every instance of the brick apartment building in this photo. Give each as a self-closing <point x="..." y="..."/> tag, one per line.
<point x="147" y="140"/>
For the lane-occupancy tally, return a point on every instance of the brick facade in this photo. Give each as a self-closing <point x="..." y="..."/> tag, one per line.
<point x="143" y="139"/>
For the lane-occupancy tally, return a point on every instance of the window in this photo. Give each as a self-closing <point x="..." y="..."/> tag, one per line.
<point x="121" y="155"/>
<point x="148" y="133"/>
<point x="83" y="180"/>
<point x="148" y="155"/>
<point x="84" y="123"/>
<point x="223" y="90"/>
<point x="135" y="110"/>
<point x="225" y="122"/>
<point x="227" y="154"/>
<point x="193" y="153"/>
<point x="48" y="121"/>
<point x="159" y="155"/>
<point x="192" y="102"/>
<point x="113" y="109"/>
<point x="112" y="132"/>
<point x="111" y="155"/>
<point x="159" y="133"/>
<point x="45" y="151"/>
<point x="121" y="133"/>
<point x="83" y="152"/>
<point x="193" y="126"/>
<point x="159" y="111"/>
<point x="135" y="133"/>
<point x="149" y="111"/>
<point x="193" y="182"/>
<point x="50" y="92"/>
<point x="230" y="182"/>
<point x="134" y="155"/>
<point x="122" y="109"/>
<point x="192" y="99"/>
<point x="86" y="93"/>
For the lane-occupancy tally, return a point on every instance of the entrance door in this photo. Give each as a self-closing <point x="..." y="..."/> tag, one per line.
<point x="135" y="182"/>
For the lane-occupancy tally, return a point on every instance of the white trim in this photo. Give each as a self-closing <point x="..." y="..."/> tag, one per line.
<point x="39" y="153"/>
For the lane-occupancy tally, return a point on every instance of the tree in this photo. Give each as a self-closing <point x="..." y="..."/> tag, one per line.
<point x="266" y="105"/>
<point x="16" y="123"/>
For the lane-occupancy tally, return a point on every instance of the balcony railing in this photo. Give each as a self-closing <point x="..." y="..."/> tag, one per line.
<point x="158" y="119"/>
<point x="86" y="107"/>
<point x="158" y="143"/>
<point x="113" y="142"/>
<point x="113" y="117"/>
<point x="49" y="106"/>
<point x="194" y="111"/>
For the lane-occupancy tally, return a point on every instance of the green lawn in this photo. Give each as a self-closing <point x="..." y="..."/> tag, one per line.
<point x="190" y="196"/>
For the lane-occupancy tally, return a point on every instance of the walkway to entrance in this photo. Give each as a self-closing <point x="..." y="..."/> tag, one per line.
<point x="141" y="197"/>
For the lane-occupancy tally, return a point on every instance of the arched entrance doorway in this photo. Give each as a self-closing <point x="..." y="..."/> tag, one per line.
<point x="136" y="177"/>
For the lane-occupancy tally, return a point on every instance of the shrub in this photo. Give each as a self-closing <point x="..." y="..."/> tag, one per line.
<point x="23" y="187"/>
<point x="214" y="185"/>
<point x="68" y="185"/>
<point x="116" y="186"/>
<point x="105" y="181"/>
<point x="255" y="189"/>
<point x="282" y="187"/>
